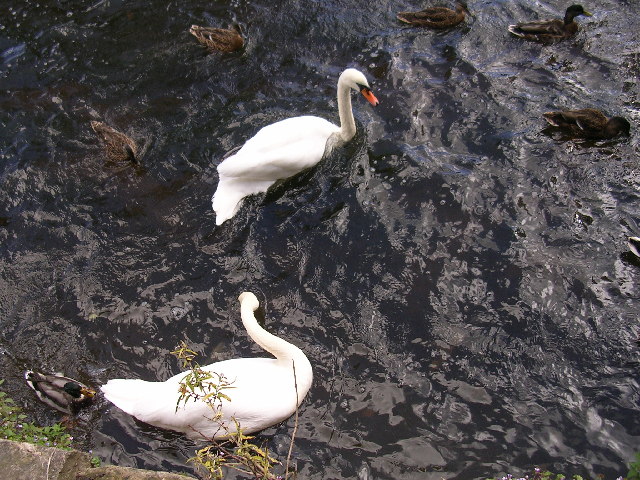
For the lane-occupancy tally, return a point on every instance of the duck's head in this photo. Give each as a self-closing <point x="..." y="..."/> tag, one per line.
<point x="462" y="6"/>
<point x="575" y="10"/>
<point x="620" y="125"/>
<point x="77" y="391"/>
<point x="356" y="80"/>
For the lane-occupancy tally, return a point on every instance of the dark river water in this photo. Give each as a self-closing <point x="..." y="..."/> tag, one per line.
<point x="457" y="275"/>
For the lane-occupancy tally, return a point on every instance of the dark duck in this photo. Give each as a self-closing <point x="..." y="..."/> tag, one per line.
<point x="436" y="17"/>
<point x="550" y="30"/>
<point x="588" y="123"/>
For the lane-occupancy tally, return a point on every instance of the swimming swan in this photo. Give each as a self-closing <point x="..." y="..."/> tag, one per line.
<point x="285" y="148"/>
<point x="263" y="390"/>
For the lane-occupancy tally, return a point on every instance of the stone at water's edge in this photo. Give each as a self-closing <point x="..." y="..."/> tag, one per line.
<point x="110" y="472"/>
<point x="25" y="461"/>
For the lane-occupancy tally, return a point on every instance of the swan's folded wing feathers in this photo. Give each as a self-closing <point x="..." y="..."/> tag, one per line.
<point x="280" y="150"/>
<point x="272" y="165"/>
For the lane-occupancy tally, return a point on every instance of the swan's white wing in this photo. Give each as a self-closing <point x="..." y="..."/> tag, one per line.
<point x="263" y="394"/>
<point x="277" y="151"/>
<point x="281" y="149"/>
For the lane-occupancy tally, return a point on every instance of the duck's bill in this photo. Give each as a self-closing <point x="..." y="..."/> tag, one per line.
<point x="87" y="392"/>
<point x="588" y="14"/>
<point x="368" y="94"/>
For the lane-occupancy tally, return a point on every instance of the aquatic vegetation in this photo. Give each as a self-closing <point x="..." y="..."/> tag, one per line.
<point x="539" y="474"/>
<point x="14" y="427"/>
<point x="634" y="469"/>
<point x="236" y="451"/>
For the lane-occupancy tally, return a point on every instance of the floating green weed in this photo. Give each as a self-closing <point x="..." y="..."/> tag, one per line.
<point x="539" y="474"/>
<point x="634" y="469"/>
<point x="237" y="451"/>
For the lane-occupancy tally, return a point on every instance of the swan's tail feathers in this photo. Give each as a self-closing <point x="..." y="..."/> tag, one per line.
<point x="131" y="396"/>
<point x="227" y="199"/>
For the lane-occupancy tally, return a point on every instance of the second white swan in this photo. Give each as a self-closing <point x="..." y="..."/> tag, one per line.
<point x="285" y="148"/>
<point x="264" y="391"/>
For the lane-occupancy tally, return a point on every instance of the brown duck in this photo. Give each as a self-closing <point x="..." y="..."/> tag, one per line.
<point x="436" y="17"/>
<point x="588" y="123"/>
<point x="550" y="30"/>
<point x="118" y="147"/>
<point x="219" y="39"/>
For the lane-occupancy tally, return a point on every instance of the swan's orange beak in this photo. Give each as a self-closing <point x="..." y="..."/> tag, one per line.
<point x="368" y="94"/>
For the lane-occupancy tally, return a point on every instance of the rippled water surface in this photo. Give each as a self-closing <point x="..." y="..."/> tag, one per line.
<point x="457" y="275"/>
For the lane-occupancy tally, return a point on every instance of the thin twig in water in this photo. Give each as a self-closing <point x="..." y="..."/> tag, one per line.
<point x="295" y="422"/>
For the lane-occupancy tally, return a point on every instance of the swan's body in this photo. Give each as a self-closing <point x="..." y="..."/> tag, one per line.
<point x="118" y="147"/>
<point x="62" y="393"/>
<point x="285" y="148"/>
<point x="550" y="30"/>
<point x="588" y="123"/>
<point x="219" y="39"/>
<point x="263" y="390"/>
<point x="436" y="17"/>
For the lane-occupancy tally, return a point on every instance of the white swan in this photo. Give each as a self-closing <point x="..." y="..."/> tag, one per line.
<point x="263" y="393"/>
<point x="285" y="148"/>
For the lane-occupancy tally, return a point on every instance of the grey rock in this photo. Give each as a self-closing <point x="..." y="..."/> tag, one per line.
<point x="25" y="461"/>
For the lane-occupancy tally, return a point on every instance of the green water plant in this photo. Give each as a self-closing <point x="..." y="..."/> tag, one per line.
<point x="13" y="426"/>
<point x="235" y="451"/>
<point x="634" y="469"/>
<point x="539" y="474"/>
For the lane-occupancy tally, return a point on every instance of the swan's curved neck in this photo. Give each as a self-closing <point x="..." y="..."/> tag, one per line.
<point x="347" y="123"/>
<point x="278" y="347"/>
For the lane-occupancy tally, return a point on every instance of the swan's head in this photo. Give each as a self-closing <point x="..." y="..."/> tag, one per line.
<point x="356" y="80"/>
<point x="248" y="299"/>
